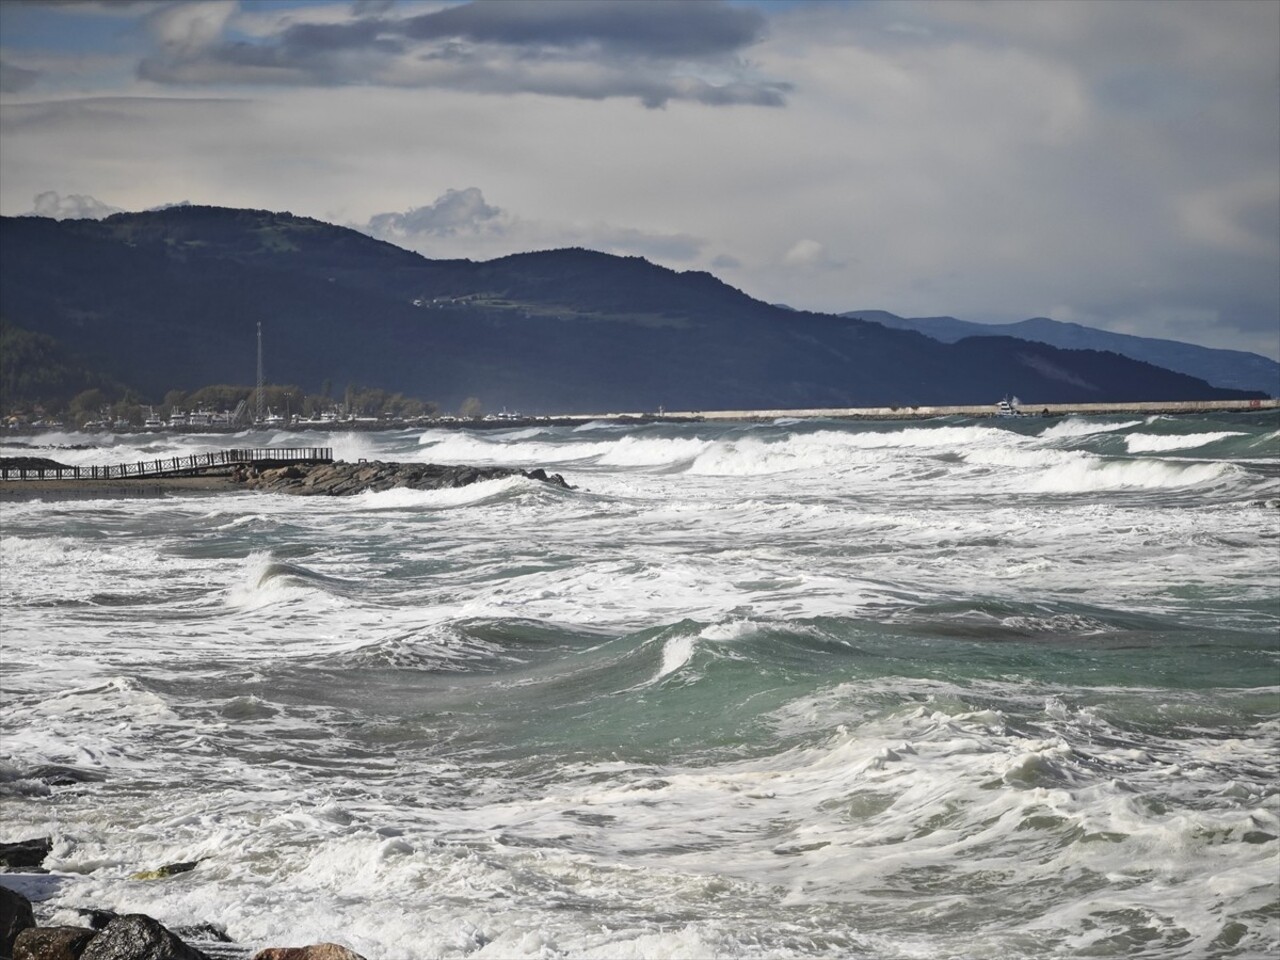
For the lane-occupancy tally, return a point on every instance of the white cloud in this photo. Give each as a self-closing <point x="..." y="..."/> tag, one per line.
<point x="463" y="223"/>
<point x="810" y="254"/>
<point x="74" y="206"/>
<point x="455" y="212"/>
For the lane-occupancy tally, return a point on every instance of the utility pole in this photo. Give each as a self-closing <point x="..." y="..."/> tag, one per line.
<point x="260" y="414"/>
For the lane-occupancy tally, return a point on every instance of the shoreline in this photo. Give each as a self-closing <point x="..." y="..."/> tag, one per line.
<point x="899" y="412"/>
<point x="154" y="488"/>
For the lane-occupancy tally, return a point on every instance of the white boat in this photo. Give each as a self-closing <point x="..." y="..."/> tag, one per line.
<point x="1008" y="407"/>
<point x="152" y="422"/>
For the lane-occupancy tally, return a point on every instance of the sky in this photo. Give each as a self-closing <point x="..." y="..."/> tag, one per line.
<point x="1114" y="163"/>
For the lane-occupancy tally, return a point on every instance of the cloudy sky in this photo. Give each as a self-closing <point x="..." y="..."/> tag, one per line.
<point x="1112" y="163"/>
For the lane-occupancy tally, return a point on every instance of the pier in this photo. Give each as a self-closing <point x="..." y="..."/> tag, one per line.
<point x="217" y="463"/>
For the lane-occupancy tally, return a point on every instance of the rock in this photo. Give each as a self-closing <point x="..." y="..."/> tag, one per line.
<point x="316" y="951"/>
<point x="61" y="775"/>
<point x="15" y="916"/>
<point x="31" y="463"/>
<point x="52" y="943"/>
<point x="344" y="479"/>
<point x="97" y="918"/>
<point x="25" y="853"/>
<point x="204" y="931"/>
<point x="168" y="870"/>
<point x="135" y="936"/>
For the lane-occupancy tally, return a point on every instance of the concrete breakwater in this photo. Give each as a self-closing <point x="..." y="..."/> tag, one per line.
<point x="904" y="412"/>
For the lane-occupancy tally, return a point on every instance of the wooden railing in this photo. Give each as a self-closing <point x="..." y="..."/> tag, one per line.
<point x="193" y="465"/>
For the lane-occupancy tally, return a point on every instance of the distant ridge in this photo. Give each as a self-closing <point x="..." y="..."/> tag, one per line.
<point x="170" y="299"/>
<point x="1235" y="369"/>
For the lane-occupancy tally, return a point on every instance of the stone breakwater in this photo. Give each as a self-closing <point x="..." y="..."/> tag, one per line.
<point x="317" y="479"/>
<point x="344" y="479"/>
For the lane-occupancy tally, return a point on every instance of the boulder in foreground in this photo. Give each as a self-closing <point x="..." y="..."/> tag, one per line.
<point x="15" y="916"/>
<point x="52" y="943"/>
<point x="136" y="936"/>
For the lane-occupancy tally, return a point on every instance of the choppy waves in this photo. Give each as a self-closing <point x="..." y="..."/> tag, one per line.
<point x="794" y="689"/>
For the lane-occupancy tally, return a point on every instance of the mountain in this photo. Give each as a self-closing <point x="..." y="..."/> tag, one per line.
<point x="1235" y="369"/>
<point x="170" y="299"/>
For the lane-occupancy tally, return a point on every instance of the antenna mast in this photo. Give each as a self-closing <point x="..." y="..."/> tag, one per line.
<point x="260" y="416"/>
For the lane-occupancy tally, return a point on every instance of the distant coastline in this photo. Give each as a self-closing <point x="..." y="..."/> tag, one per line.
<point x="918" y="412"/>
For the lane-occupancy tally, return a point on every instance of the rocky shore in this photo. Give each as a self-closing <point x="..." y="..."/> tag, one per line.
<point x="343" y="479"/>
<point x="105" y="935"/>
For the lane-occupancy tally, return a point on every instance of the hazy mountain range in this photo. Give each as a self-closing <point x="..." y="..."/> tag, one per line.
<point x="170" y="299"/>
<point x="1223" y="368"/>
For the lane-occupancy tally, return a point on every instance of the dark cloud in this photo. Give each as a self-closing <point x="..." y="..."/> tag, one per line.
<point x="122" y="7"/>
<point x="656" y="28"/>
<point x="371" y="8"/>
<point x="656" y="51"/>
<point x="16" y="79"/>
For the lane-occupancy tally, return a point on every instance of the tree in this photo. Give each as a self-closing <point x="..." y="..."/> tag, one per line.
<point x="175" y="400"/>
<point x="87" y="405"/>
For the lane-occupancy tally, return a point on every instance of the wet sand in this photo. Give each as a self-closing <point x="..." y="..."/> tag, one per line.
<point x="66" y="489"/>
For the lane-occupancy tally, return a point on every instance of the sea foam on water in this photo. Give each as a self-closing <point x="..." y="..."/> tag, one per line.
<point x="939" y="688"/>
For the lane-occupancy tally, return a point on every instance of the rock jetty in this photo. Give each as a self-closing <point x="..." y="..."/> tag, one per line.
<point x="344" y="479"/>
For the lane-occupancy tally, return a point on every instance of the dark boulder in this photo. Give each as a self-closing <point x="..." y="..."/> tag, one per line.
<point x="61" y="775"/>
<point x="15" y="916"/>
<point x="52" y="943"/>
<point x="24" y="853"/>
<point x="31" y="463"/>
<point x="135" y="936"/>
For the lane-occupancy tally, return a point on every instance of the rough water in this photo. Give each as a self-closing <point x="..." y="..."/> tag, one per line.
<point x="954" y="688"/>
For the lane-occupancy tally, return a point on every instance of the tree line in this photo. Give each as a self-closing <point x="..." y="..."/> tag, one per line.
<point x="41" y="380"/>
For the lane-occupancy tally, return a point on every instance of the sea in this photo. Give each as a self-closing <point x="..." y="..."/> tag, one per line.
<point x="951" y="688"/>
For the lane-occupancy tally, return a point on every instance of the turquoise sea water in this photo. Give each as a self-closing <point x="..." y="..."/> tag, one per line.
<point x="922" y="689"/>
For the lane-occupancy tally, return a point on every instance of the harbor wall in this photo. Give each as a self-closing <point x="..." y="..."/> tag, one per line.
<point x="1148" y="408"/>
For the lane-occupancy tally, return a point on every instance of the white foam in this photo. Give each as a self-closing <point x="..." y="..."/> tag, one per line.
<point x="403" y="498"/>
<point x="676" y="652"/>
<point x="219" y="681"/>
<point x="1065" y="471"/>
<point x="265" y="582"/>
<point x="1073" y="427"/>
<point x="355" y="446"/>
<point x="1156" y="443"/>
